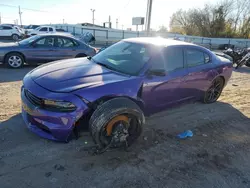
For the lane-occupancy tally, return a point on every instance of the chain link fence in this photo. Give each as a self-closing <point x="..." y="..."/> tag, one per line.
<point x="107" y="36"/>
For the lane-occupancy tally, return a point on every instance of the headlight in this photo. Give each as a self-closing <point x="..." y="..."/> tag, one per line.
<point x="59" y="105"/>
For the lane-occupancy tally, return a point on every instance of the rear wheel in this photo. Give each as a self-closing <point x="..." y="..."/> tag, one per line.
<point x="116" y="123"/>
<point x="15" y="37"/>
<point x="14" y="60"/>
<point x="248" y="63"/>
<point x="214" y="91"/>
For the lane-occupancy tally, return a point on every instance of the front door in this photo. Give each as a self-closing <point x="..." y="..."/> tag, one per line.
<point x="162" y="91"/>
<point x="43" y="50"/>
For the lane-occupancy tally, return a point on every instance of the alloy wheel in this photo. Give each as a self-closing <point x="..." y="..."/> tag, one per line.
<point x="15" y="37"/>
<point x="15" y="61"/>
<point x="213" y="93"/>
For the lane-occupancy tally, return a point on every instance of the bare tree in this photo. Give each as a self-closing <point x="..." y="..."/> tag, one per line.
<point x="226" y="18"/>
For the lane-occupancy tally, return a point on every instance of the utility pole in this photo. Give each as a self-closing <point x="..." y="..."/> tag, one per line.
<point x="109" y="21"/>
<point x="148" y="16"/>
<point x="122" y="27"/>
<point x="116" y="23"/>
<point x="93" y="16"/>
<point x="63" y="21"/>
<point x="0" y="18"/>
<point x="20" y="15"/>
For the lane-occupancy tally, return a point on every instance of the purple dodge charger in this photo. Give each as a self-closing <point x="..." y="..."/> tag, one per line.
<point x="112" y="92"/>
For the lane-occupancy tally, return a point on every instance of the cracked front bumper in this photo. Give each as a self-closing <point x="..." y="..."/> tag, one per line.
<point x="56" y="126"/>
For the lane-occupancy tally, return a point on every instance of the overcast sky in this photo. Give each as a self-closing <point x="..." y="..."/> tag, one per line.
<point x="78" y="11"/>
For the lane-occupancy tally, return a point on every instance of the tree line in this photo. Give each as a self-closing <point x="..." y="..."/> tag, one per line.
<point x="227" y="18"/>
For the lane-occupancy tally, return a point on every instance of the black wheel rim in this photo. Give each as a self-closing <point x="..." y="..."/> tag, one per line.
<point x="214" y="91"/>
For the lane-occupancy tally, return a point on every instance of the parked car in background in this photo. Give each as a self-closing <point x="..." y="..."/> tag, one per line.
<point x="60" y="30"/>
<point x="29" y="28"/>
<point x="113" y="91"/>
<point x="42" y="49"/>
<point x="11" y="32"/>
<point x="41" y="30"/>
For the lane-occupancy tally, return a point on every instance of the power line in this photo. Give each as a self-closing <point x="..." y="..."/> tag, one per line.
<point x="29" y="9"/>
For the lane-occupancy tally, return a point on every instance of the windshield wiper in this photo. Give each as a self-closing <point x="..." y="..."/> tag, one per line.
<point x="106" y="66"/>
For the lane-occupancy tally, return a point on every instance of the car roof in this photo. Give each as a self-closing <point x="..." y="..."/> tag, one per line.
<point x="45" y="26"/>
<point x="158" y="41"/>
<point x="57" y="34"/>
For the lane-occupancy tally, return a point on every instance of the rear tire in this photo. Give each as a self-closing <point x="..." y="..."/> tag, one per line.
<point x="214" y="91"/>
<point x="15" y="37"/>
<point x="114" y="111"/>
<point x="248" y="64"/>
<point x="14" y="60"/>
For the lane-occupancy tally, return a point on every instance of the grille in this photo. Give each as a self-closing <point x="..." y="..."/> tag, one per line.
<point x="32" y="98"/>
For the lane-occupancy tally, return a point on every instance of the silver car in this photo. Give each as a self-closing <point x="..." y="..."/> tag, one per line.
<point x="44" y="48"/>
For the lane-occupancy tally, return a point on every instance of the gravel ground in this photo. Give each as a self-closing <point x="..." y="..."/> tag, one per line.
<point x="216" y="156"/>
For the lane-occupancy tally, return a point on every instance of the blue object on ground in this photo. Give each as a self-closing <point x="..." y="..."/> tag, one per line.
<point x="185" y="134"/>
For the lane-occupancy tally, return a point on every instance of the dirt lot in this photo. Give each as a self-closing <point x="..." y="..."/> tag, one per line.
<point x="216" y="156"/>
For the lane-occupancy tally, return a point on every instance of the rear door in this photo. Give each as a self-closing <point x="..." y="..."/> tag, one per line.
<point x="51" y="30"/>
<point x="43" y="50"/>
<point x="66" y="48"/>
<point x="200" y="71"/>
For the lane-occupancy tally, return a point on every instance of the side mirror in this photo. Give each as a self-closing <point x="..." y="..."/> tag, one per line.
<point x="156" y="72"/>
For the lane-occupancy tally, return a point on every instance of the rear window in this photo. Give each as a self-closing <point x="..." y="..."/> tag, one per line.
<point x="196" y="57"/>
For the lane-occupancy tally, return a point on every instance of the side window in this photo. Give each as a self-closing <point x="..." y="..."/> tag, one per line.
<point x="196" y="58"/>
<point x="65" y="42"/>
<point x="7" y="28"/>
<point x="50" y="29"/>
<point x="1" y="27"/>
<point x="46" y="42"/>
<point x="157" y="63"/>
<point x="43" y="29"/>
<point x="173" y="58"/>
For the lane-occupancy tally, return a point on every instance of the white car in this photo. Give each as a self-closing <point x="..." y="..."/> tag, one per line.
<point x="41" y="30"/>
<point x="13" y="32"/>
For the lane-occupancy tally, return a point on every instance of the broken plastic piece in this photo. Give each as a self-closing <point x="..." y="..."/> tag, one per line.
<point x="185" y="134"/>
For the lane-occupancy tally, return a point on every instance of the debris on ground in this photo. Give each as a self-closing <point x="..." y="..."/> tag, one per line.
<point x="59" y="167"/>
<point x="185" y="134"/>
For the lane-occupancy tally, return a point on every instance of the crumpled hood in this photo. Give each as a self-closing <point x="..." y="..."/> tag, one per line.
<point x="72" y="74"/>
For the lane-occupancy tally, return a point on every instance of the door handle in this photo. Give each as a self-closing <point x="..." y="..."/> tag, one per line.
<point x="73" y="49"/>
<point x="51" y="50"/>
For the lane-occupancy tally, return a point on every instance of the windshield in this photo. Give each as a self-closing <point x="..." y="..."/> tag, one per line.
<point x="37" y="28"/>
<point x="29" y="40"/>
<point x="124" y="57"/>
